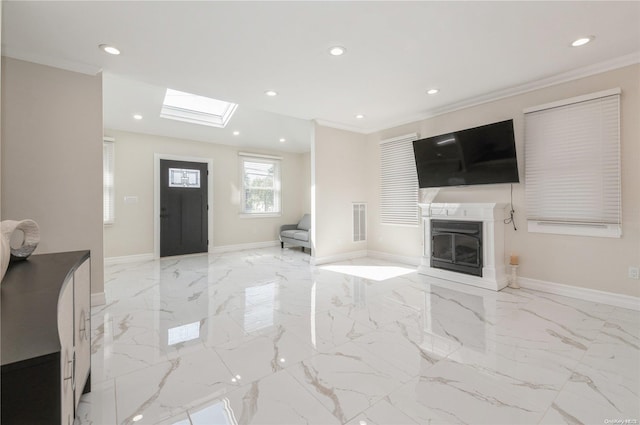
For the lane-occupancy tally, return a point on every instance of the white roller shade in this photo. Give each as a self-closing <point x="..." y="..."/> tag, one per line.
<point x="398" y="181"/>
<point x="572" y="162"/>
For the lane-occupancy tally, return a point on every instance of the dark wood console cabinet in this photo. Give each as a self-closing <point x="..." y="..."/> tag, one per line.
<point x="46" y="338"/>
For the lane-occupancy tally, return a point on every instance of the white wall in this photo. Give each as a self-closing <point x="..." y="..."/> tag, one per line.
<point x="0" y="115"/>
<point x="595" y="263"/>
<point x="133" y="231"/>
<point x="305" y="180"/>
<point x="340" y="180"/>
<point x="52" y="157"/>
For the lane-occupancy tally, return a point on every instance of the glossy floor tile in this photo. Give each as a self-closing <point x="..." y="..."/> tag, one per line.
<point x="263" y="337"/>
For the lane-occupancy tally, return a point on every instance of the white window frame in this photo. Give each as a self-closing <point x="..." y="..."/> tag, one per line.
<point x="562" y="118"/>
<point x="265" y="159"/>
<point x="399" y="182"/>
<point x="108" y="181"/>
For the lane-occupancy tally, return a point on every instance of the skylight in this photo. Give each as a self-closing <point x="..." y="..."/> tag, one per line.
<point x="196" y="109"/>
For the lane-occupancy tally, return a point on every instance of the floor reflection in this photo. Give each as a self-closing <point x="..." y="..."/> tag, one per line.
<point x="259" y="306"/>
<point x="219" y="413"/>
<point x="454" y="318"/>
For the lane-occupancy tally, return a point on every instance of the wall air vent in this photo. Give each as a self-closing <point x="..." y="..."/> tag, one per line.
<point x="359" y="222"/>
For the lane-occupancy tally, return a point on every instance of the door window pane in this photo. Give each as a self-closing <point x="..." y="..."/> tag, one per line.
<point x="183" y="177"/>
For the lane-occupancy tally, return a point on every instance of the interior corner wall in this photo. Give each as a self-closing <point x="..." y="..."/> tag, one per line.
<point x="133" y="230"/>
<point x="340" y="180"/>
<point x="305" y="180"/>
<point x="587" y="262"/>
<point x="52" y="157"/>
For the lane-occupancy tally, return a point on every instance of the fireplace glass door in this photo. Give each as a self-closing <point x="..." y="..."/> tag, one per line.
<point x="467" y="250"/>
<point x="457" y="246"/>
<point x="443" y="246"/>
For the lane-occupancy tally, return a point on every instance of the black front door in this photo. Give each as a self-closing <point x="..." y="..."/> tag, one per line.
<point x="183" y="207"/>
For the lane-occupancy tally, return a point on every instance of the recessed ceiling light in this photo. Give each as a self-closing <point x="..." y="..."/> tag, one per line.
<point x="359" y="116"/>
<point x="137" y="117"/>
<point x="109" y="49"/>
<point x="136" y="418"/>
<point x="337" y="51"/>
<point x="582" y="41"/>
<point x="432" y="91"/>
<point x="282" y="140"/>
<point x="271" y="93"/>
<point x="235" y="133"/>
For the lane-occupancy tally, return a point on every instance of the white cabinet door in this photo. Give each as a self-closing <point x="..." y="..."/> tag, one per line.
<point x="65" y="330"/>
<point x="82" y="285"/>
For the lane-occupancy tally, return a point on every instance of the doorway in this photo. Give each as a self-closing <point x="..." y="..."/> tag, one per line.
<point x="183" y="220"/>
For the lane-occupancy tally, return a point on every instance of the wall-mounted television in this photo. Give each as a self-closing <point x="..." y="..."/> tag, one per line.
<point x="479" y="155"/>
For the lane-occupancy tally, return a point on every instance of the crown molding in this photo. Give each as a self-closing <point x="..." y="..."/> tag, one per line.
<point x="564" y="77"/>
<point x="574" y="74"/>
<point x="340" y="126"/>
<point x="67" y="65"/>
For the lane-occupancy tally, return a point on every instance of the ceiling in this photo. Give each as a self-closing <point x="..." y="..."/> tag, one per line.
<point x="235" y="51"/>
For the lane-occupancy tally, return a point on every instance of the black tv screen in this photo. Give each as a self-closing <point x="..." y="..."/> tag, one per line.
<point x="479" y="155"/>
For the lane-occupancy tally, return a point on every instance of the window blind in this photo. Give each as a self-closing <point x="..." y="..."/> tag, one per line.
<point x="572" y="162"/>
<point x="398" y="181"/>
<point x="108" y="192"/>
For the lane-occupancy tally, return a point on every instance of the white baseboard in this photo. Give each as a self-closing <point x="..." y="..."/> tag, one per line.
<point x="618" y="300"/>
<point x="492" y="283"/>
<point x="214" y="250"/>
<point x="242" y="247"/>
<point x="98" y="298"/>
<point x="338" y="257"/>
<point x="412" y="261"/>
<point x="346" y="256"/>
<point x="128" y="259"/>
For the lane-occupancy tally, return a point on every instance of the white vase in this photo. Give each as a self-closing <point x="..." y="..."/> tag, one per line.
<point x="30" y="240"/>
<point x="5" y="255"/>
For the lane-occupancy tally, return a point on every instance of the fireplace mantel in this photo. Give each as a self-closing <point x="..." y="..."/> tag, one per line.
<point x="492" y="216"/>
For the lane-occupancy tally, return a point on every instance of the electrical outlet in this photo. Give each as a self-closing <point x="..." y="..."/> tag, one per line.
<point x="634" y="272"/>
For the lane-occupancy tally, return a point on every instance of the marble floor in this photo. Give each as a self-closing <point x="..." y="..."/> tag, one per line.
<point x="263" y="337"/>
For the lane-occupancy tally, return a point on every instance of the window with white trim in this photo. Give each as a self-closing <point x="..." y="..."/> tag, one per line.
<point x="398" y="181"/>
<point x="108" y="187"/>
<point x="572" y="166"/>
<point x="260" y="185"/>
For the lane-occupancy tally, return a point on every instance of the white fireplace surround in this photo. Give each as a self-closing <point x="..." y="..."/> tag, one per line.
<point x="492" y="216"/>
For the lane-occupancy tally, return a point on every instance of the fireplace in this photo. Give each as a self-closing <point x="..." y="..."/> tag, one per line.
<point x="457" y="246"/>
<point x="464" y="243"/>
